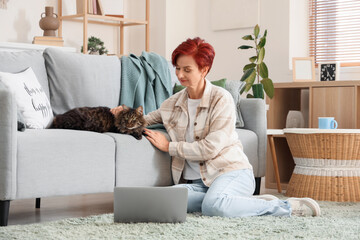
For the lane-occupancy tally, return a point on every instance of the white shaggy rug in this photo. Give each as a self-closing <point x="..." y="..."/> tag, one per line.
<point x="338" y="221"/>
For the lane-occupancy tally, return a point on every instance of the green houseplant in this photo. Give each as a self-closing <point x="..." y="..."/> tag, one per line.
<point x="257" y="68"/>
<point x="95" y="46"/>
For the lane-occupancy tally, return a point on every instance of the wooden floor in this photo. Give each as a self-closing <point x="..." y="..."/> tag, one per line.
<point x="56" y="208"/>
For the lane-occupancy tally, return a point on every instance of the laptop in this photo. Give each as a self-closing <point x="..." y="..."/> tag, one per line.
<point x="150" y="204"/>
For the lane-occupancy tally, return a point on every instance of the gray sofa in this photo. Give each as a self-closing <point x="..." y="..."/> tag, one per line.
<point x="40" y="163"/>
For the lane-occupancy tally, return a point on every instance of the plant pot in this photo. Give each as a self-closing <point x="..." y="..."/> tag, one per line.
<point x="258" y="90"/>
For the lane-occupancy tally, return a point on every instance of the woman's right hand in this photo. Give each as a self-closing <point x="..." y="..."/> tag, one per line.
<point x="157" y="139"/>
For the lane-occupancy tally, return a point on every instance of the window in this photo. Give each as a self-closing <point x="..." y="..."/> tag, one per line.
<point x="334" y="31"/>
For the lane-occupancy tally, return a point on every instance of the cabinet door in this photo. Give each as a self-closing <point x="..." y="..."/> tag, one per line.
<point x="338" y="102"/>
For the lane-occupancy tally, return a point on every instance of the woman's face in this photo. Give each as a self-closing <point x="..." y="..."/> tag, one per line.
<point x="188" y="72"/>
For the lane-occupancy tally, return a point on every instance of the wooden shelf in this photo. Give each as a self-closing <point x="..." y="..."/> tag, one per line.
<point x="125" y="21"/>
<point x="86" y="18"/>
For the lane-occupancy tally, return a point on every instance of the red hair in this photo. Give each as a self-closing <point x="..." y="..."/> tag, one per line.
<point x="202" y="52"/>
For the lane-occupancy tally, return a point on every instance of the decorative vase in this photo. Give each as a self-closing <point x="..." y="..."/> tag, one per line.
<point x="50" y="23"/>
<point x="258" y="90"/>
<point x="295" y="119"/>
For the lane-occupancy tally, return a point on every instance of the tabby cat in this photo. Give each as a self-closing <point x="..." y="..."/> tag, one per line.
<point x="100" y="119"/>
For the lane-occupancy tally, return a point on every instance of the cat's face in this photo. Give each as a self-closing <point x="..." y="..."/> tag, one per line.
<point x="130" y="119"/>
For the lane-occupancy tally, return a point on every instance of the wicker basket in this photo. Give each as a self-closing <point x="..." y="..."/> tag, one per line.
<point x="327" y="165"/>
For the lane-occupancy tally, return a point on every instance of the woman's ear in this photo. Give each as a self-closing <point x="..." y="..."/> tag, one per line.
<point x="204" y="71"/>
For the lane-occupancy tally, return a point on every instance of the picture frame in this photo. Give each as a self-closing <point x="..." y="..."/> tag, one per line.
<point x="329" y="71"/>
<point x="303" y="69"/>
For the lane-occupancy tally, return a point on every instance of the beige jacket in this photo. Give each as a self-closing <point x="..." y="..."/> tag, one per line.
<point x="216" y="147"/>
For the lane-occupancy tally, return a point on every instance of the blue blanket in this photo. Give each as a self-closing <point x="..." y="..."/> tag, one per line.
<point x="145" y="81"/>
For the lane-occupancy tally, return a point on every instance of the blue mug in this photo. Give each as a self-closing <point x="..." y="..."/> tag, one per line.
<point x="327" y="123"/>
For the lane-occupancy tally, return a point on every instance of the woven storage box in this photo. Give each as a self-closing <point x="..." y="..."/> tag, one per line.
<point x="327" y="164"/>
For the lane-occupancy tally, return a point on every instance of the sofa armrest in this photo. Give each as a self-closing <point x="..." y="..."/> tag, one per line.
<point x="8" y="140"/>
<point x="254" y="115"/>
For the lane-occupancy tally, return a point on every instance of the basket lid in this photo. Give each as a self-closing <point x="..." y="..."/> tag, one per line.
<point x="317" y="130"/>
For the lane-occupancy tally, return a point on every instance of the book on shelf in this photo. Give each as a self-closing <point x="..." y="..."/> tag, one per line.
<point x="99" y="7"/>
<point x="90" y="7"/>
<point x="50" y="41"/>
<point x="79" y="6"/>
<point x="94" y="7"/>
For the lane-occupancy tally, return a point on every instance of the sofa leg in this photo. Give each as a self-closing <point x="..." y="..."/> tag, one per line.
<point x="37" y="203"/>
<point x="257" y="186"/>
<point x="4" y="212"/>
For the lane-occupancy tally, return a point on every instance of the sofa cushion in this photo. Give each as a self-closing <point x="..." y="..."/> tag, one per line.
<point x="140" y="158"/>
<point x="32" y="103"/>
<point x="15" y="62"/>
<point x="234" y="87"/>
<point x="78" y="80"/>
<point x="249" y="141"/>
<point x="55" y="162"/>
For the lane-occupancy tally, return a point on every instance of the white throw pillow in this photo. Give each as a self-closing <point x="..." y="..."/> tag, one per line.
<point x="32" y="102"/>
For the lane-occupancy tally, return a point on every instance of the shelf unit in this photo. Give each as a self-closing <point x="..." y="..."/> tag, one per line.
<point x="87" y="18"/>
<point x="339" y="99"/>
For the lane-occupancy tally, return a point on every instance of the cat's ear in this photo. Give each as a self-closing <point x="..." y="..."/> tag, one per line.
<point x="125" y="107"/>
<point x="140" y="110"/>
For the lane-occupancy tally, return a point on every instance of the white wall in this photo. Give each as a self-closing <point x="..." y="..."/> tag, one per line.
<point x="181" y="18"/>
<point x="299" y="30"/>
<point x="135" y="36"/>
<point x="20" y="21"/>
<point x="229" y="61"/>
<point x="172" y="21"/>
<point x="275" y="17"/>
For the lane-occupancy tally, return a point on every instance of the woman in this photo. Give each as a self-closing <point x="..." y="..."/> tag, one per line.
<point x="207" y="157"/>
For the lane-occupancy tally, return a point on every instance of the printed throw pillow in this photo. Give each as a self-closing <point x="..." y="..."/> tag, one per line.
<point x="220" y="83"/>
<point x="32" y="102"/>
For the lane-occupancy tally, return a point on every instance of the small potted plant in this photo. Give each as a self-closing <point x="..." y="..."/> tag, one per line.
<point x="257" y="68"/>
<point x="95" y="46"/>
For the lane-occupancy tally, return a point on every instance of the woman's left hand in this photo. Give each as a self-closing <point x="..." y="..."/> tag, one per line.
<point x="157" y="139"/>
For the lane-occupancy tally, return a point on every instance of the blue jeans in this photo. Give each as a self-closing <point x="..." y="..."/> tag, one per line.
<point x="230" y="195"/>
